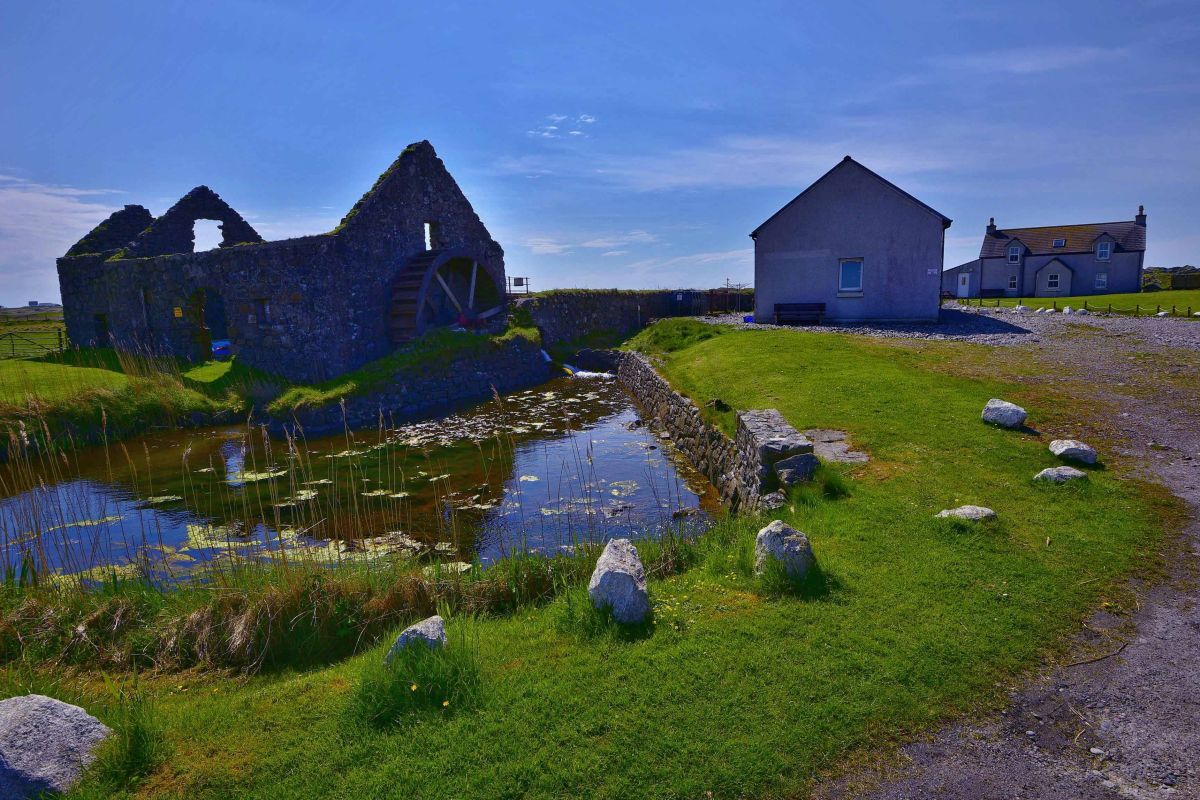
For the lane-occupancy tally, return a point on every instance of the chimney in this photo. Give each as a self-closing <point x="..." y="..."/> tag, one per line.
<point x="991" y="228"/>
<point x="1140" y="219"/>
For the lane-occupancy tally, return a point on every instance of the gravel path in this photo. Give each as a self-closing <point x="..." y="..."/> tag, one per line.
<point x="1007" y="327"/>
<point x="1128" y="724"/>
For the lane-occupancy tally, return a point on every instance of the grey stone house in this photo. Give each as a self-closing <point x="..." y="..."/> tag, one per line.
<point x="856" y="242"/>
<point x="409" y="256"/>
<point x="1054" y="261"/>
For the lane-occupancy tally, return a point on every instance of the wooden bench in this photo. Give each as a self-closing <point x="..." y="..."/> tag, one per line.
<point x="799" y="313"/>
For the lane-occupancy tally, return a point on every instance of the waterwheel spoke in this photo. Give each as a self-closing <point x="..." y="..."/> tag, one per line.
<point x="471" y="294"/>
<point x="449" y="293"/>
<point x="491" y="312"/>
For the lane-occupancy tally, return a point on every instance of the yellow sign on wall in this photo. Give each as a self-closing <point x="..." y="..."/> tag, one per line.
<point x="178" y="312"/>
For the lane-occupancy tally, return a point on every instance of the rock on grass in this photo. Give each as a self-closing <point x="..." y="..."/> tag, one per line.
<point x="1059" y="475"/>
<point x="1003" y="413"/>
<point x="619" y="583"/>
<point x="972" y="513"/>
<point x="430" y="632"/>
<point x="45" y="745"/>
<point x="1073" y="450"/>
<point x="782" y="543"/>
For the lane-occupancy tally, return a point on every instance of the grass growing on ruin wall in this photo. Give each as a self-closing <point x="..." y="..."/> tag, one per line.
<point x="736" y="689"/>
<point x="434" y="350"/>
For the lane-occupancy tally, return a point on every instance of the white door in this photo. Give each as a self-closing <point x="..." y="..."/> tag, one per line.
<point x="964" y="285"/>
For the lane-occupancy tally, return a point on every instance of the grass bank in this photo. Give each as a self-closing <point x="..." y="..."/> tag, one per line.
<point x="736" y="689"/>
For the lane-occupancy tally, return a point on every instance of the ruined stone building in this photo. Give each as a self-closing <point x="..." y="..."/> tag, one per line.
<point x="409" y="256"/>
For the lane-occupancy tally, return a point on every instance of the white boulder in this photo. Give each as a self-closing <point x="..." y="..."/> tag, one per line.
<point x="1067" y="310"/>
<point x="1073" y="450"/>
<point x="1004" y="414"/>
<point x="972" y="513"/>
<point x="1060" y="474"/>
<point x="1163" y="314"/>
<point x="1083" y="312"/>
<point x="619" y="583"/>
<point x="45" y="745"/>
<point x="1020" y="309"/>
<point x="430" y="632"/>
<point x="783" y="543"/>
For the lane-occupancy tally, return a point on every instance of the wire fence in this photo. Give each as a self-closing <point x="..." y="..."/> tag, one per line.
<point x="1136" y="310"/>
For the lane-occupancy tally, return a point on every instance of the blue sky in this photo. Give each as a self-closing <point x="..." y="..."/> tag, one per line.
<point x="631" y="144"/>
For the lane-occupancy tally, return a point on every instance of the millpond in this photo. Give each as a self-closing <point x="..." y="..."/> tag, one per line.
<point x="537" y="471"/>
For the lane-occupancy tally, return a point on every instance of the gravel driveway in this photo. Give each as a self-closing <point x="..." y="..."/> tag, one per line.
<point x="1121" y="719"/>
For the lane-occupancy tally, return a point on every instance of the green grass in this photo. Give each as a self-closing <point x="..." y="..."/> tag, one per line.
<point x="739" y="687"/>
<point x="1142" y="303"/>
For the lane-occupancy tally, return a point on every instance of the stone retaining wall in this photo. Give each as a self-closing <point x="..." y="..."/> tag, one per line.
<point x="419" y="394"/>
<point x="568" y="315"/>
<point x="742" y="470"/>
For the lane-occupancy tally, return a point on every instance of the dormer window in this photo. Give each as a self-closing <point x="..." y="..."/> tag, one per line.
<point x="1014" y="254"/>
<point x="1104" y="251"/>
<point x="1060" y="243"/>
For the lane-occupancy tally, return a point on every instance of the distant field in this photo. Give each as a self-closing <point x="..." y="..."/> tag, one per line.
<point x="29" y="331"/>
<point x="1184" y="302"/>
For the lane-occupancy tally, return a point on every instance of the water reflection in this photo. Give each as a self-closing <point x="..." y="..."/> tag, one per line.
<point x="538" y="471"/>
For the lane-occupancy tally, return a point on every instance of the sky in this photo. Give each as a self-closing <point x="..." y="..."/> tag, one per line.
<point x="617" y="144"/>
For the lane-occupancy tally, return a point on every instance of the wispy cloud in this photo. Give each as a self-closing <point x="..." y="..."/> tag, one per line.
<point x="1032" y="60"/>
<point x="556" y="126"/>
<point x="38" y="223"/>
<point x="557" y="245"/>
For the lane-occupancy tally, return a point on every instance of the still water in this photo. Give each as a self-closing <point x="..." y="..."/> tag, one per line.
<point x="539" y="471"/>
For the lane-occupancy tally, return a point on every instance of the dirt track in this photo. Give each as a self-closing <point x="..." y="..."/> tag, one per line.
<point x="1124" y="721"/>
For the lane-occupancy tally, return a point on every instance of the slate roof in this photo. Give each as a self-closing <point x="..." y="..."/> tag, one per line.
<point x="848" y="160"/>
<point x="1129" y="237"/>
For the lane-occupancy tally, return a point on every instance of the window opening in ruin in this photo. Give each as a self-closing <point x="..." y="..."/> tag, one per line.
<point x="207" y="235"/>
<point x="431" y="235"/>
<point x="146" y="310"/>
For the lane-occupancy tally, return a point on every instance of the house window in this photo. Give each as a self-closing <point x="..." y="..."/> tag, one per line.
<point x="850" y="275"/>
<point x="1014" y="254"/>
<point x="1052" y="280"/>
<point x="262" y="312"/>
<point x="1060" y="243"/>
<point x="431" y="235"/>
<point x="1101" y="280"/>
<point x="1104" y="251"/>
<point x="1012" y="281"/>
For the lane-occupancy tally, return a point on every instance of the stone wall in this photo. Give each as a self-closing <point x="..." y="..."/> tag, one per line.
<point x="742" y="470"/>
<point x="417" y="394"/>
<point x="568" y="315"/>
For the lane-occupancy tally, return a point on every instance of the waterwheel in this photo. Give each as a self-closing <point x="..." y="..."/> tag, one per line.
<point x="442" y="288"/>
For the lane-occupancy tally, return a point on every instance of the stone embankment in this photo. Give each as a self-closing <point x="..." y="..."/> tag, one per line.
<point x="743" y="469"/>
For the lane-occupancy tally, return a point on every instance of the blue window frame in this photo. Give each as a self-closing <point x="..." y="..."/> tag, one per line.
<point x="850" y="276"/>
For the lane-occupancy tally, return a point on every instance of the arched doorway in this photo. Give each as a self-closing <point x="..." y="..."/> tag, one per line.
<point x="441" y="288"/>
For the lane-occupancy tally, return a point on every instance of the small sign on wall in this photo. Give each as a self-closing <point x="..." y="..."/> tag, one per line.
<point x="178" y="312"/>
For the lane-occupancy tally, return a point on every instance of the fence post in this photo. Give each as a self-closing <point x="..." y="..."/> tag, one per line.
<point x="1137" y="310"/>
<point x="1110" y="308"/>
<point x="59" y="332"/>
<point x="1172" y="310"/>
<point x="1056" y="305"/>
